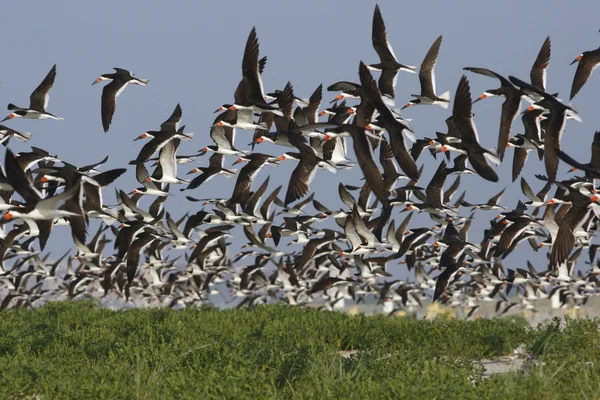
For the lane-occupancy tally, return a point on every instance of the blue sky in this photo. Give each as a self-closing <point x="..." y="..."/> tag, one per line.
<point x="192" y="53"/>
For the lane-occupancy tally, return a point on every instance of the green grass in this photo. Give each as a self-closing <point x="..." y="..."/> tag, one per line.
<point x="77" y="350"/>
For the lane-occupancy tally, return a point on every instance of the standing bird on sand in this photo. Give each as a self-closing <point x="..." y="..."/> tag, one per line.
<point x="37" y="101"/>
<point x="119" y="81"/>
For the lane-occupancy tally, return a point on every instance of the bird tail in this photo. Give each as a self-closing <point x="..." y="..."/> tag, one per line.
<point x="445" y="96"/>
<point x="492" y="156"/>
<point x="23" y="136"/>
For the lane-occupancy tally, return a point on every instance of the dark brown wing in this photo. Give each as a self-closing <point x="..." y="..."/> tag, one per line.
<point x="510" y="108"/>
<point x="462" y="109"/>
<point x="451" y="190"/>
<point x="490" y="73"/>
<point x="494" y="200"/>
<point x="299" y="185"/>
<point x="148" y="149"/>
<point x="584" y="71"/>
<point x="551" y="143"/>
<point x="435" y="189"/>
<point x="109" y="102"/>
<point x="565" y="240"/>
<point x="256" y="196"/>
<point x="367" y="165"/>
<point x="216" y="161"/>
<point x="250" y="67"/>
<point x="519" y="159"/>
<point x="379" y="36"/>
<point x="386" y="82"/>
<point x="477" y="160"/>
<point x="172" y="123"/>
<point x="538" y="70"/>
<point x="595" y="159"/>
<point x="39" y="97"/>
<point x="403" y="157"/>
<point x="241" y="191"/>
<point x="426" y="74"/>
<point x="19" y="180"/>
<point x="442" y="280"/>
<point x="393" y="126"/>
<point x="386" y="156"/>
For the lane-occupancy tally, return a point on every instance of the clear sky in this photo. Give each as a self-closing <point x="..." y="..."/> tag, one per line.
<point x="192" y="53"/>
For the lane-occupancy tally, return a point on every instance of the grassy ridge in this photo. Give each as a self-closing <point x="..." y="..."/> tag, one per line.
<point x="77" y="350"/>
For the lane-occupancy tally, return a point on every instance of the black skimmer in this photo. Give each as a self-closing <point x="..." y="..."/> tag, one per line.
<point x="390" y="172"/>
<point x="535" y="200"/>
<point x="38" y="101"/>
<point x="215" y="167"/>
<point x="166" y="169"/>
<point x="304" y="173"/>
<point x="388" y="64"/>
<point x="462" y="118"/>
<point x="38" y="212"/>
<point x="329" y="282"/>
<point x="149" y="187"/>
<point x="364" y="156"/>
<point x="250" y="95"/>
<point x="394" y="127"/>
<point x="223" y="139"/>
<point x="241" y="191"/>
<point x="427" y="80"/>
<point x="530" y="140"/>
<point x="169" y="130"/>
<point x="118" y="82"/>
<point x="460" y="165"/>
<point x="510" y="107"/>
<point x="559" y="113"/>
<point x="564" y="242"/>
<point x="588" y="61"/>
<point x="308" y="115"/>
<point x="433" y="201"/>
<point x="491" y="204"/>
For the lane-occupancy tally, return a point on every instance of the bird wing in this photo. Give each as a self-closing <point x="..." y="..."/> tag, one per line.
<point x="426" y="74"/>
<point x="172" y="124"/>
<point x="586" y="66"/>
<point x="40" y="96"/>
<point x="379" y="37"/>
<point x="542" y="61"/>
<point x="110" y="93"/>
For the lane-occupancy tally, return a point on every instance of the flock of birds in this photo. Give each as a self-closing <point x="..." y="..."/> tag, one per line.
<point x="158" y="260"/>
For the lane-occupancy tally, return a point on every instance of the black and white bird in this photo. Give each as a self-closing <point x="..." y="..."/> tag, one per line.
<point x="118" y="82"/>
<point x="38" y="101"/>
